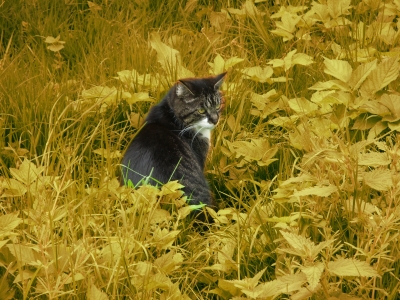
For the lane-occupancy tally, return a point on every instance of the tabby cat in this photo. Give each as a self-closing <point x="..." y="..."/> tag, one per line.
<point x="174" y="142"/>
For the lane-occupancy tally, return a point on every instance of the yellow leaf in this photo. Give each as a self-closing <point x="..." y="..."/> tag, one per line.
<point x="296" y="241"/>
<point x="137" y="97"/>
<point x="339" y="69"/>
<point x="313" y="274"/>
<point x="302" y="105"/>
<point x="169" y="58"/>
<point x="351" y="267"/>
<point x="8" y="223"/>
<point x="392" y="103"/>
<point x="93" y="293"/>
<point x="169" y="262"/>
<point x="378" y="179"/>
<point x="163" y="238"/>
<point x="24" y="254"/>
<point x="374" y="159"/>
<point x="159" y="216"/>
<point x="247" y="284"/>
<point x="106" y="153"/>
<point x="381" y="76"/>
<point x="258" y="74"/>
<point x="337" y="8"/>
<point x="55" y="47"/>
<point x="321" y="191"/>
<point x="361" y="73"/>
<point x="27" y="172"/>
<point x="302" y="59"/>
<point x="13" y="188"/>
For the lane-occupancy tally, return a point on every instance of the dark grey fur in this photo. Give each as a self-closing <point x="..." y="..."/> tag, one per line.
<point x="168" y="147"/>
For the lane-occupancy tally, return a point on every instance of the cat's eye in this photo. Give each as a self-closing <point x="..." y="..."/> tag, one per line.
<point x="218" y="106"/>
<point x="201" y="110"/>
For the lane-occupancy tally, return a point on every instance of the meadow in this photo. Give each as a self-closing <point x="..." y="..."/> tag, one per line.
<point x="304" y="163"/>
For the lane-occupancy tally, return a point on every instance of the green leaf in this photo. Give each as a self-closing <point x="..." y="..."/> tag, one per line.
<point x="351" y="267"/>
<point x="339" y="69"/>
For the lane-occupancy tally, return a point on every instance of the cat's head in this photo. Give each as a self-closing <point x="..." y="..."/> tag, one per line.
<point x="198" y="102"/>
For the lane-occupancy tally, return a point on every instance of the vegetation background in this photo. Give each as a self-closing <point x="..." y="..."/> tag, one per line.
<point x="304" y="163"/>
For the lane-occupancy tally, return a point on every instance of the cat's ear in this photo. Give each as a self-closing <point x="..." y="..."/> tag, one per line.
<point x="183" y="89"/>
<point x="219" y="79"/>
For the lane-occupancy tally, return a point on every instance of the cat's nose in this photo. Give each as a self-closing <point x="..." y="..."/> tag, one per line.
<point x="213" y="118"/>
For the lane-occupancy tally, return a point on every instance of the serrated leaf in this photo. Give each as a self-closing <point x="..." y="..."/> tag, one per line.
<point x="392" y="103"/>
<point x="373" y="159"/>
<point x="296" y="241"/>
<point x="228" y="286"/>
<point x="13" y="188"/>
<point x="381" y="76"/>
<point x="321" y="191"/>
<point x="361" y="206"/>
<point x="351" y="267"/>
<point x="27" y="172"/>
<point x="24" y="254"/>
<point x="380" y="180"/>
<point x="9" y="222"/>
<point x="313" y="274"/>
<point x="248" y="284"/>
<point x="361" y="73"/>
<point x="339" y="69"/>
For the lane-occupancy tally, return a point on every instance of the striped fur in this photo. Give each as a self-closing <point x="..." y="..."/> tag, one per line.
<point x="174" y="142"/>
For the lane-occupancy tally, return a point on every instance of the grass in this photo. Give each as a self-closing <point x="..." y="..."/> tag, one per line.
<point x="303" y="164"/>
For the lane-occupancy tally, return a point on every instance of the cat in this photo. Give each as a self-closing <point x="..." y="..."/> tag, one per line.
<point x="175" y="139"/>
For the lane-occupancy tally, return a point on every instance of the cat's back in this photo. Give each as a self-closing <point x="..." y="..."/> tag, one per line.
<point x="157" y="150"/>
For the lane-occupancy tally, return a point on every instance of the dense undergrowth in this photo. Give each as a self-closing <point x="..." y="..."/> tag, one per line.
<point x="304" y="164"/>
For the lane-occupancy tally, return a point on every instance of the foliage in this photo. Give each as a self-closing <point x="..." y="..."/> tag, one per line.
<point x="304" y="163"/>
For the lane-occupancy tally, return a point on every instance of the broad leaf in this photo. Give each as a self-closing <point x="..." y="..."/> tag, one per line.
<point x="321" y="191"/>
<point x="339" y="69"/>
<point x="351" y="267"/>
<point x="313" y="274"/>
<point x="381" y="76"/>
<point x="378" y="179"/>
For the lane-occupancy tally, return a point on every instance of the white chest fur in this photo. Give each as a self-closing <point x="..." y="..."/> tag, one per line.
<point x="204" y="128"/>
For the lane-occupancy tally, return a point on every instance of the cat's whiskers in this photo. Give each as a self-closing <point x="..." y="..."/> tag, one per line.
<point x="185" y="129"/>
<point x="191" y="144"/>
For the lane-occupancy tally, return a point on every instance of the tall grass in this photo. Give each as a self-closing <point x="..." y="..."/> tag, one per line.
<point x="303" y="163"/>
